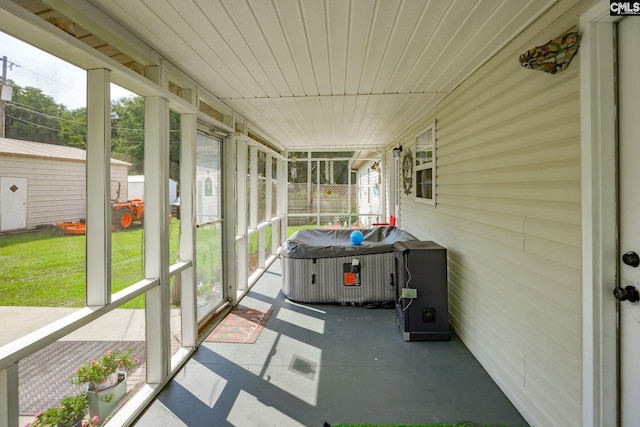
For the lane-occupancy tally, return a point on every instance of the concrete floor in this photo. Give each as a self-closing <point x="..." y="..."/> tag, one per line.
<point x="328" y="363"/>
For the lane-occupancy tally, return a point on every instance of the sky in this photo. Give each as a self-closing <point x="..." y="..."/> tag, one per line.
<point x="64" y="82"/>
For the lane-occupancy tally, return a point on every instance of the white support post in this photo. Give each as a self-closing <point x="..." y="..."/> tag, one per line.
<point x="383" y="186"/>
<point x="158" y="74"/>
<point x="317" y="193"/>
<point x="156" y="236"/>
<point x="241" y="214"/>
<point x="9" y="396"/>
<point x="230" y="200"/>
<point x="188" y="131"/>
<point x="282" y="198"/>
<point x="269" y="187"/>
<point x="349" y="213"/>
<point x="261" y="247"/>
<point x="268" y="172"/>
<point x="98" y="192"/>
<point x="253" y="190"/>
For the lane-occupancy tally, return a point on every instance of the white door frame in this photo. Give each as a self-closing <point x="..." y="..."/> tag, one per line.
<point x="599" y="239"/>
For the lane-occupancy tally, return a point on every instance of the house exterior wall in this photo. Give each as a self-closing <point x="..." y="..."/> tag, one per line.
<point x="508" y="211"/>
<point x="56" y="187"/>
<point x="369" y="195"/>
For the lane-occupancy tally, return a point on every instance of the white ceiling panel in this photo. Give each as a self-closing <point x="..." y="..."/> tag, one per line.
<point x="352" y="74"/>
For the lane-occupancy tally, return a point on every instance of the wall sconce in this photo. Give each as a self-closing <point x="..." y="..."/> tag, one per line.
<point x="397" y="150"/>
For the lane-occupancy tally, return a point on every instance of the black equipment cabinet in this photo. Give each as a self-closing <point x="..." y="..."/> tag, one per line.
<point x="422" y="311"/>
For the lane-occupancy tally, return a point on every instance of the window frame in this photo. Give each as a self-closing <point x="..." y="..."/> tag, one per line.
<point x="424" y="163"/>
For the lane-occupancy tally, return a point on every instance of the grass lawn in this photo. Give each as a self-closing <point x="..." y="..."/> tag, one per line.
<point x="39" y="269"/>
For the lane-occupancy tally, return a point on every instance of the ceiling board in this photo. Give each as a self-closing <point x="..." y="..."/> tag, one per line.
<point x="333" y="73"/>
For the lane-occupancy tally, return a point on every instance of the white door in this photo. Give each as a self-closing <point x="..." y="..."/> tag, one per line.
<point x="13" y="203"/>
<point x="629" y="204"/>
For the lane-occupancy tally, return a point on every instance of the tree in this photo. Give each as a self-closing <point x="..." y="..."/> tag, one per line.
<point x="127" y="132"/>
<point x="127" y="135"/>
<point x="33" y="116"/>
<point x="73" y="128"/>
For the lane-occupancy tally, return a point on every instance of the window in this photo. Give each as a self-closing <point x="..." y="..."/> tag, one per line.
<point x="426" y="165"/>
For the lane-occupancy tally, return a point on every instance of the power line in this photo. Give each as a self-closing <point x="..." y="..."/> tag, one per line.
<point x="35" y="124"/>
<point x="19" y="106"/>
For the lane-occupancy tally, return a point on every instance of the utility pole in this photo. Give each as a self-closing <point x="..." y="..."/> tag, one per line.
<point x="2" y="103"/>
<point x="6" y="93"/>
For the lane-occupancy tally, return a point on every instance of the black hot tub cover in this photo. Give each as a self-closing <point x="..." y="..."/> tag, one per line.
<point x="321" y="243"/>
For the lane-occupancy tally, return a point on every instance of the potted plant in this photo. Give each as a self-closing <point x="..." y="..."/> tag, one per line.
<point x="69" y="413"/>
<point x="105" y="379"/>
<point x="102" y="373"/>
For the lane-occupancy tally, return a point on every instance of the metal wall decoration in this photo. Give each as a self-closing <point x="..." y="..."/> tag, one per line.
<point x="554" y="56"/>
<point x="407" y="172"/>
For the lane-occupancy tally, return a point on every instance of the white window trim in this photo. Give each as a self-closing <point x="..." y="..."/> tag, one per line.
<point x="427" y="165"/>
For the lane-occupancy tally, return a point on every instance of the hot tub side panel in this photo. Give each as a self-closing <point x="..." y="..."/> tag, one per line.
<point x="321" y="280"/>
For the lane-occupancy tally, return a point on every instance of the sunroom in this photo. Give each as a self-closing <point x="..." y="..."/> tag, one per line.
<point x="274" y="116"/>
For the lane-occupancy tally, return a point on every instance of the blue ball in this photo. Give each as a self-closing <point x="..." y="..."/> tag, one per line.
<point x="356" y="237"/>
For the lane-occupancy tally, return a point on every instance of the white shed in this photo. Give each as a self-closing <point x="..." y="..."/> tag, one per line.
<point x="136" y="189"/>
<point x="45" y="183"/>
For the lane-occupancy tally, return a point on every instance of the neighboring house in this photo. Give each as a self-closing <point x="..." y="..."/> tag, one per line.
<point x="44" y="183"/>
<point x="369" y="192"/>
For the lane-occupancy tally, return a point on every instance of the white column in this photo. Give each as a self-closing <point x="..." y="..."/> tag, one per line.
<point x="156" y="236"/>
<point x="98" y="173"/>
<point x="268" y="187"/>
<point x="253" y="190"/>
<point x="241" y="213"/>
<point x="230" y="199"/>
<point x="188" y="132"/>
<point x="9" y="396"/>
<point x="283" y="178"/>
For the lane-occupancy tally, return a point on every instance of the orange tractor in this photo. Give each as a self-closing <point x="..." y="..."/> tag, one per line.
<point x="123" y="215"/>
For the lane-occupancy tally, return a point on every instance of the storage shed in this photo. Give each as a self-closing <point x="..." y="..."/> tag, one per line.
<point x="136" y="189"/>
<point x="45" y="183"/>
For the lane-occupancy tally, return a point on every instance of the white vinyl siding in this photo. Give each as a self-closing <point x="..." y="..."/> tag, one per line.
<point x="509" y="213"/>
<point x="57" y="187"/>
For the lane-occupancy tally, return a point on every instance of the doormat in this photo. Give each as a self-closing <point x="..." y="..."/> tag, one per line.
<point x="241" y="326"/>
<point x="44" y="376"/>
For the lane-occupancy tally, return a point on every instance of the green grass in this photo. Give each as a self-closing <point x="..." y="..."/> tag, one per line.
<point x="39" y="269"/>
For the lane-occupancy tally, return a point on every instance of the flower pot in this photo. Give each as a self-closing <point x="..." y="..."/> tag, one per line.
<point x="108" y="382"/>
<point x="103" y="402"/>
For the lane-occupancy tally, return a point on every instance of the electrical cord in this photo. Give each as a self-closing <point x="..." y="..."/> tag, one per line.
<point x="406" y="285"/>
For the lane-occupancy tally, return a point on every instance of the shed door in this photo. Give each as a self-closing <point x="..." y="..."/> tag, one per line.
<point x="629" y="205"/>
<point x="13" y="203"/>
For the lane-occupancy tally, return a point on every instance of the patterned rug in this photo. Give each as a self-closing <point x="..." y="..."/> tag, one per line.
<point x="241" y="326"/>
<point x="44" y="377"/>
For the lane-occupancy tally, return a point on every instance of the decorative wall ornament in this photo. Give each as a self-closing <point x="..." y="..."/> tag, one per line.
<point x="407" y="172"/>
<point x="554" y="56"/>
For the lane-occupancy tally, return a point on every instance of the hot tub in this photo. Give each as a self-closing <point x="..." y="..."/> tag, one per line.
<point x="323" y="266"/>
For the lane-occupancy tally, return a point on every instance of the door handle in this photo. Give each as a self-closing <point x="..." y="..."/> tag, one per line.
<point x="631" y="258"/>
<point x="628" y="293"/>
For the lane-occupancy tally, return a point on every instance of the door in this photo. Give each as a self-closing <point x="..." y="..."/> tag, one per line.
<point x="629" y="205"/>
<point x="13" y="203"/>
